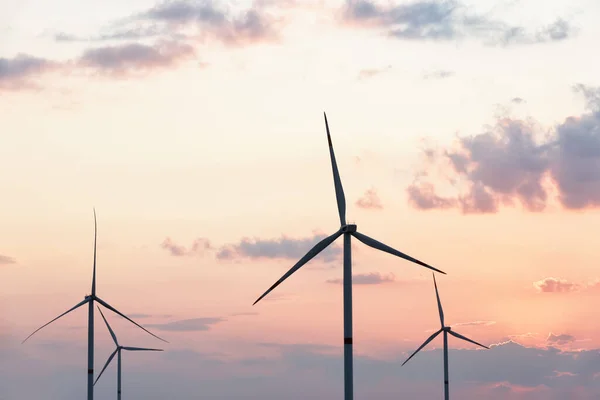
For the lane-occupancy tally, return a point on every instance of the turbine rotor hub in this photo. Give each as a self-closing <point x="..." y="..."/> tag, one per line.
<point x="349" y="228"/>
<point x="447" y="329"/>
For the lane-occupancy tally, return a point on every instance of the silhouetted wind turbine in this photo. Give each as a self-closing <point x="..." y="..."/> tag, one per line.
<point x="348" y="230"/>
<point x="447" y="330"/>
<point x="118" y="353"/>
<point x="89" y="299"/>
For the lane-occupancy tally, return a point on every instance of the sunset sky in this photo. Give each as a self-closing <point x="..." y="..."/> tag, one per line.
<point x="467" y="135"/>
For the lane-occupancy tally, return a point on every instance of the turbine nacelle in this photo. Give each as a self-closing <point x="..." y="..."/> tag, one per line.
<point x="447" y="329"/>
<point x="348" y="228"/>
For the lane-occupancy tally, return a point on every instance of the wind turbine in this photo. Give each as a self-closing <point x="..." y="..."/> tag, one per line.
<point x="118" y="353"/>
<point x="447" y="330"/>
<point x="348" y="230"/>
<point x="89" y="299"/>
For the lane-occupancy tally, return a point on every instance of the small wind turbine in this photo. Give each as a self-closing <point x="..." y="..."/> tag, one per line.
<point x="118" y="353"/>
<point x="89" y="299"/>
<point x="447" y="330"/>
<point x="348" y="230"/>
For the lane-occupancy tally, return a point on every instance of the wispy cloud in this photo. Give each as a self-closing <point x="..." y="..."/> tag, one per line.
<point x="367" y="73"/>
<point x="187" y="325"/>
<point x="20" y="71"/>
<point x="125" y="59"/>
<point x="475" y="323"/>
<point x="439" y="74"/>
<point x="196" y="21"/>
<point x="5" y="260"/>
<point x="285" y="247"/>
<point x="199" y="247"/>
<point x="370" y="200"/>
<point x="516" y="162"/>
<point x="444" y="20"/>
<point x="372" y="278"/>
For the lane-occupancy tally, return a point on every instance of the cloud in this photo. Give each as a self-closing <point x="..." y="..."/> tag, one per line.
<point x="195" y="20"/>
<point x="370" y="200"/>
<point x="187" y="325"/>
<point x="372" y="278"/>
<point x="19" y="72"/>
<point x="199" y="247"/>
<point x="124" y="59"/>
<point x="554" y="285"/>
<point x="5" y="260"/>
<point x="372" y="72"/>
<point x="560" y="339"/>
<point x="439" y="74"/>
<point x="475" y="323"/>
<point x="444" y="20"/>
<point x="517" y="162"/>
<point x="506" y="372"/>
<point x="285" y="248"/>
<point x="517" y="100"/>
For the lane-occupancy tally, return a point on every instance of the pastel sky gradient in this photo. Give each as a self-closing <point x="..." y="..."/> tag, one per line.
<point x="467" y="135"/>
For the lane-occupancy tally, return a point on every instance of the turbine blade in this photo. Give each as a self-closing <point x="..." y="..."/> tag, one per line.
<point x="458" y="335"/>
<point x="111" y="308"/>
<point x="383" y="247"/>
<point x="95" y="241"/>
<point x="65" y="313"/>
<point x="139" y="349"/>
<point x="423" y="345"/>
<point x="108" y="326"/>
<point x="307" y="257"/>
<point x="438" y="301"/>
<point x="106" y="365"/>
<point x="337" y="181"/>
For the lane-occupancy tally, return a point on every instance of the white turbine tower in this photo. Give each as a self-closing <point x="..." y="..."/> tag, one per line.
<point x="447" y="330"/>
<point x="118" y="353"/>
<point x="89" y="300"/>
<point x="348" y="230"/>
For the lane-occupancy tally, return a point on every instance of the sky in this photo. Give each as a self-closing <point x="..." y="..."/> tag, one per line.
<point x="467" y="135"/>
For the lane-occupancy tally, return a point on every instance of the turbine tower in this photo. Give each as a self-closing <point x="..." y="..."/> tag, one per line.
<point x="447" y="330"/>
<point x="89" y="300"/>
<point x="118" y="353"/>
<point x="348" y="230"/>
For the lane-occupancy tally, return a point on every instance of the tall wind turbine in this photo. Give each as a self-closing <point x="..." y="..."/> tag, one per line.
<point x="447" y="330"/>
<point x="118" y="353"/>
<point x="89" y="299"/>
<point x="348" y="230"/>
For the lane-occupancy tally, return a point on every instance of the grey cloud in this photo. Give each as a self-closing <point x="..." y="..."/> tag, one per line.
<point x="182" y="373"/>
<point x="554" y="285"/>
<point x="187" y="325"/>
<point x="5" y="260"/>
<point x="370" y="200"/>
<point x="199" y="247"/>
<point x="18" y="72"/>
<point x="135" y="57"/>
<point x="517" y="100"/>
<point x="514" y="162"/>
<point x="446" y="20"/>
<point x="560" y="339"/>
<point x="282" y="248"/>
<point x="372" y="278"/>
<point x="202" y="19"/>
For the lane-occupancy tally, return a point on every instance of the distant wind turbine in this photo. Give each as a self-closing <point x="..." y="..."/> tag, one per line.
<point x="89" y="299"/>
<point x="348" y="230"/>
<point x="118" y="353"/>
<point x="447" y="330"/>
